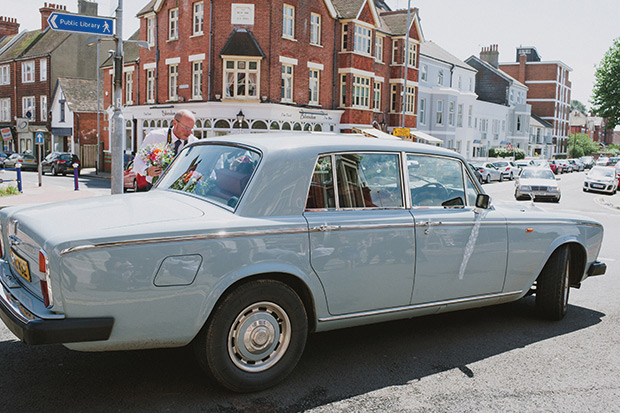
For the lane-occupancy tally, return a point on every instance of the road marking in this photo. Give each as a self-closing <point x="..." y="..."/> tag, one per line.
<point x="604" y="202"/>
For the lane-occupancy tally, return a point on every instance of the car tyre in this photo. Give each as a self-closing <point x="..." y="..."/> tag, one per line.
<point x="54" y="172"/>
<point x="134" y="186"/>
<point x="488" y="179"/>
<point x="501" y="177"/>
<point x="254" y="337"/>
<point x="511" y="176"/>
<point x="553" y="285"/>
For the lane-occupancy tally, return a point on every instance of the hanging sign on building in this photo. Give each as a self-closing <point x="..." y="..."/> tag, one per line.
<point x="402" y="132"/>
<point x="102" y="26"/>
<point x="6" y="134"/>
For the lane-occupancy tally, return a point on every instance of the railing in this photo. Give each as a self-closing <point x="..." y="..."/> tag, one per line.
<point x="18" y="179"/>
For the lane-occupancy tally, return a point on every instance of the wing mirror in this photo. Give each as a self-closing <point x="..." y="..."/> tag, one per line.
<point x="483" y="201"/>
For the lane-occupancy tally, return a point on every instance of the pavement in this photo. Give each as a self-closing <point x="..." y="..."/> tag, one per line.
<point x="60" y="190"/>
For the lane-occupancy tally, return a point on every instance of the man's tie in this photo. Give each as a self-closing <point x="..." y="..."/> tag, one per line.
<point x="177" y="145"/>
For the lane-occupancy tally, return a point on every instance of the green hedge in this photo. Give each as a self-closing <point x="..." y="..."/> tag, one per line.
<point x="503" y="153"/>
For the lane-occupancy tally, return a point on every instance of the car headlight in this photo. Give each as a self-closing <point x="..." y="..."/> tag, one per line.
<point x="525" y="188"/>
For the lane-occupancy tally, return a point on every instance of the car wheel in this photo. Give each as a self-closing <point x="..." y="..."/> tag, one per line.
<point x="134" y="186"/>
<point x="501" y="177"/>
<point x="254" y="337"/>
<point x="511" y="176"/>
<point x="54" y="172"/>
<point x="487" y="179"/>
<point x="553" y="284"/>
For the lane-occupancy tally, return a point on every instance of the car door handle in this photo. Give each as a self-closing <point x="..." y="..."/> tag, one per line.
<point x="427" y="225"/>
<point x="325" y="228"/>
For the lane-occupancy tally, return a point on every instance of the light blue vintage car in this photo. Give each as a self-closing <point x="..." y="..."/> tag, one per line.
<point x="250" y="242"/>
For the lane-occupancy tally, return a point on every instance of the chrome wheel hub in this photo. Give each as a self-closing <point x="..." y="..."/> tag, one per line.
<point x="259" y="336"/>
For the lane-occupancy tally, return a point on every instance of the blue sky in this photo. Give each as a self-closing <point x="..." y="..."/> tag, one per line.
<point x="575" y="32"/>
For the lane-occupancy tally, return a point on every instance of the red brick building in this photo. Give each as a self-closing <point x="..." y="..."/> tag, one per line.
<point x="549" y="91"/>
<point x="280" y="65"/>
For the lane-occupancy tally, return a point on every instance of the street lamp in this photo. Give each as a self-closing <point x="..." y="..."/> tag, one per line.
<point x="240" y="119"/>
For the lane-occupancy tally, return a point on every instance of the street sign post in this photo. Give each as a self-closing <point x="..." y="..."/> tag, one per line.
<point x="76" y="23"/>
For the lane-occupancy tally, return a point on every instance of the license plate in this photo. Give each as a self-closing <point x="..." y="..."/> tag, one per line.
<point x="598" y="186"/>
<point x="21" y="265"/>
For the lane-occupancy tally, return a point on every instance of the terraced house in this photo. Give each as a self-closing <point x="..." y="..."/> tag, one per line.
<point x="292" y="65"/>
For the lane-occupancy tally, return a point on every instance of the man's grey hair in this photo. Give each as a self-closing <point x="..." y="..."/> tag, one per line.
<point x="184" y="113"/>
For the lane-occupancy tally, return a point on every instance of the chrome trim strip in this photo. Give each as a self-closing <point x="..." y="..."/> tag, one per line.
<point x="324" y="228"/>
<point x="417" y="306"/>
<point x="555" y="222"/>
<point x="217" y="235"/>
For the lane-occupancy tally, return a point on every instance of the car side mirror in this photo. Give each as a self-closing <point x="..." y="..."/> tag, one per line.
<point x="483" y="201"/>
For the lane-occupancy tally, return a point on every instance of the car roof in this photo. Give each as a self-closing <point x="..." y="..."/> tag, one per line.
<point x="326" y="142"/>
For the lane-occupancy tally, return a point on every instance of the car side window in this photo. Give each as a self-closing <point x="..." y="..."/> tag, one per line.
<point x="435" y="181"/>
<point x="368" y="181"/>
<point x="321" y="193"/>
<point x="471" y="190"/>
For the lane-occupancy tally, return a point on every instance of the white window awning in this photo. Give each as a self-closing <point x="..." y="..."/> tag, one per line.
<point x="375" y="133"/>
<point x="419" y="135"/>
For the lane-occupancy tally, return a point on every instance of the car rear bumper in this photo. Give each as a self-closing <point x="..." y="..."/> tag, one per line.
<point x="32" y="329"/>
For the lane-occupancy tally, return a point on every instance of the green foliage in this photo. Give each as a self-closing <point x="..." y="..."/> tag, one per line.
<point x="606" y="90"/>
<point x="503" y="153"/>
<point x="9" y="190"/>
<point x="613" y="150"/>
<point x="580" y="145"/>
<point x="577" y="105"/>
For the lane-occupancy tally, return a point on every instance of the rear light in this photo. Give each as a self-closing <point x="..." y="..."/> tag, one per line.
<point x="46" y="284"/>
<point x="62" y="161"/>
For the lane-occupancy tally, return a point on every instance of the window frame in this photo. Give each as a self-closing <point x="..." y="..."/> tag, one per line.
<point x="315" y="29"/>
<point x="150" y="30"/>
<point x="379" y="47"/>
<point x="410" y="100"/>
<point x="363" y="40"/>
<point x="173" y="24"/>
<point x="5" y="74"/>
<point x="129" y="88"/>
<point x="412" y="54"/>
<point x="286" y="84"/>
<point x="25" y="107"/>
<point x="28" y="69"/>
<point x="43" y="108"/>
<point x="42" y="70"/>
<point x="173" y="82"/>
<point x="5" y="109"/>
<point x="361" y="92"/>
<point x="197" y="83"/>
<point x="288" y="21"/>
<point x="314" y="83"/>
<point x="439" y="112"/>
<point x="198" y="18"/>
<point x="376" y="96"/>
<point x="422" y="111"/>
<point x="451" y="112"/>
<point x="150" y="85"/>
<point x="248" y="72"/>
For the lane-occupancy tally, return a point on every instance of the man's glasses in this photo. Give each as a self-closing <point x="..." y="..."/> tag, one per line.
<point x="183" y="126"/>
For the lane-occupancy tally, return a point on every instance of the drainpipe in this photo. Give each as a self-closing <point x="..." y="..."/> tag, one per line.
<point x="209" y="71"/>
<point x="156" y="60"/>
<point x="406" y="65"/>
<point x="138" y="80"/>
<point x="335" y="65"/>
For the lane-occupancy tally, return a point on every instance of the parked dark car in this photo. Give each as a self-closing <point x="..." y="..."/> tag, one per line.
<point x="3" y="157"/>
<point x="28" y="161"/>
<point x="60" y="163"/>
<point x="476" y="172"/>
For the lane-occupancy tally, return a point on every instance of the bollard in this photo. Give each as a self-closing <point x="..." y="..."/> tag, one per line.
<point x="75" y="176"/>
<point x="18" y="168"/>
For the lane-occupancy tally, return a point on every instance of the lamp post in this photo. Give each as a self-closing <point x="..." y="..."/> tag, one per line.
<point x="240" y="118"/>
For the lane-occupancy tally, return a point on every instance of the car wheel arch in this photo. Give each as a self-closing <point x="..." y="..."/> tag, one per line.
<point x="578" y="260"/>
<point x="298" y="285"/>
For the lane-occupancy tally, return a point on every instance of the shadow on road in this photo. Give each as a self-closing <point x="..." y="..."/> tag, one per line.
<point x="335" y="366"/>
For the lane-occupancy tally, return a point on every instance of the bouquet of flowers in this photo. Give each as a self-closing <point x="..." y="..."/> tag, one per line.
<point x="158" y="154"/>
<point x="188" y="181"/>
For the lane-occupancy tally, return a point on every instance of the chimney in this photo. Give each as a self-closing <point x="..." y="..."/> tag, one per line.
<point x="46" y="10"/>
<point x="8" y="26"/>
<point x="87" y="8"/>
<point x="522" y="63"/>
<point x="490" y="55"/>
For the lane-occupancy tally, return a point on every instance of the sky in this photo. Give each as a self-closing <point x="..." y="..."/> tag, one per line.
<point x="575" y="32"/>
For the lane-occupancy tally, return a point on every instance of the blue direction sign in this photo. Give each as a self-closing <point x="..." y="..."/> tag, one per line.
<point x="39" y="138"/>
<point x="102" y="26"/>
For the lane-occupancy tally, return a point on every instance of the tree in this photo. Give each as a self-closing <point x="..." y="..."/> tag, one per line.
<point x="606" y="90"/>
<point x="577" y="105"/>
<point x="580" y="144"/>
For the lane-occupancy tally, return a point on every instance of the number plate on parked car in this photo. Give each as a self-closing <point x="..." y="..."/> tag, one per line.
<point x="21" y="265"/>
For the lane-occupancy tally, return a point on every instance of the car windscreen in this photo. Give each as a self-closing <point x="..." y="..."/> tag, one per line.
<point x="537" y="174"/>
<point x="66" y="157"/>
<point x="216" y="172"/>
<point x="602" y="172"/>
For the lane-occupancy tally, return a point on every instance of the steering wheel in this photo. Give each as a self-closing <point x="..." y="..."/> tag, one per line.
<point x="431" y="191"/>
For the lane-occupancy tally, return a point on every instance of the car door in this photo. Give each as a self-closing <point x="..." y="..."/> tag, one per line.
<point x="361" y="236"/>
<point x="461" y="251"/>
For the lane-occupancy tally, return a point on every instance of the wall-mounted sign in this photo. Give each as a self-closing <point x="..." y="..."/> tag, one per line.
<point x="242" y="14"/>
<point x="6" y="134"/>
<point x="402" y="132"/>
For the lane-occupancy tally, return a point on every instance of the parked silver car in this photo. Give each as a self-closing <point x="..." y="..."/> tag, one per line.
<point x="508" y="169"/>
<point x="488" y="172"/>
<point x="248" y="243"/>
<point x="537" y="184"/>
